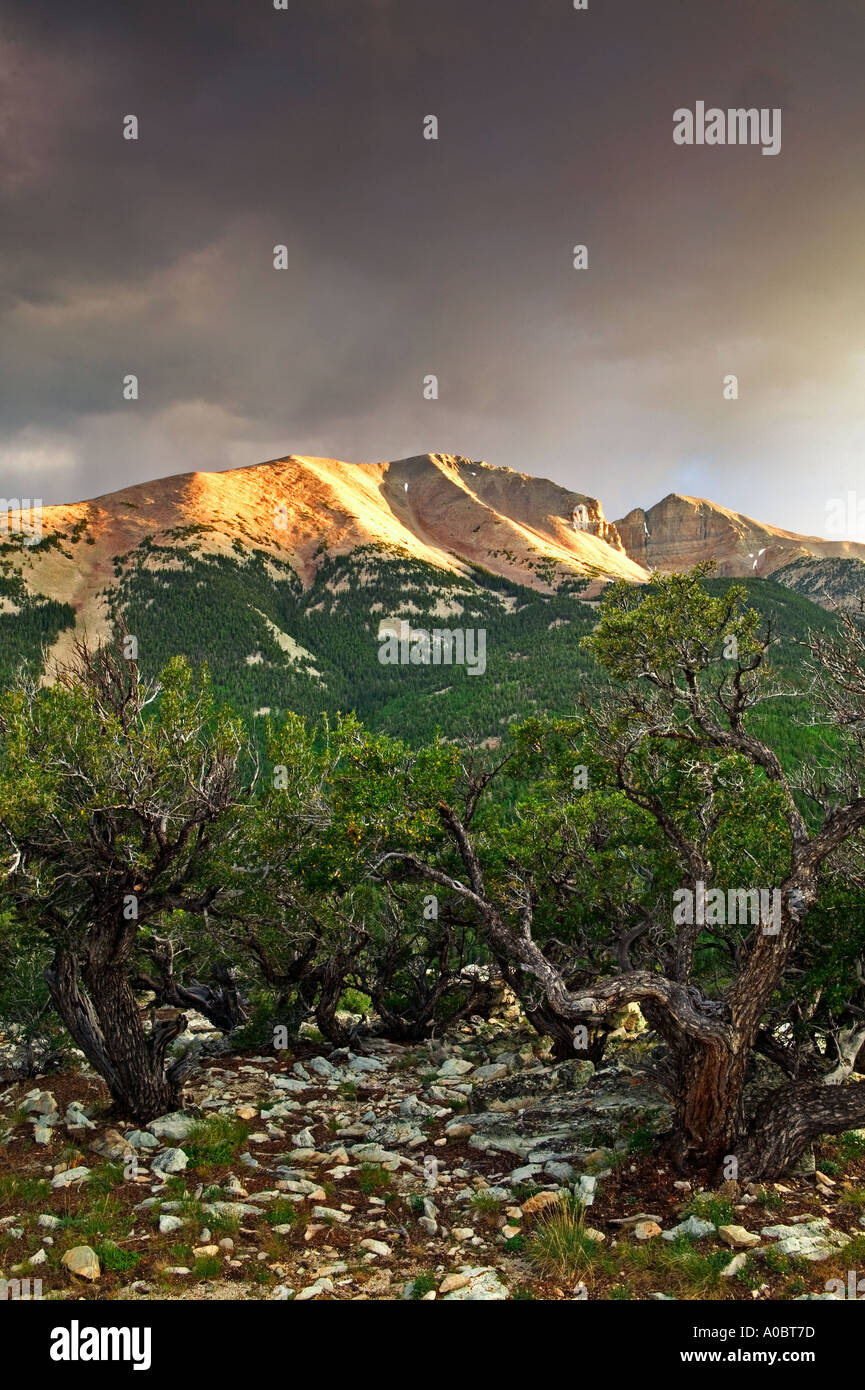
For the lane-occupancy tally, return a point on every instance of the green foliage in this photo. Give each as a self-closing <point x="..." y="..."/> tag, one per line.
<point x="423" y="1284"/>
<point x="313" y="879"/>
<point x="115" y="1260"/>
<point x="851" y="1145"/>
<point x="484" y="1202"/>
<point x="709" y="1207"/>
<point x="282" y="1213"/>
<point x="17" y="1187"/>
<point x="642" y="1141"/>
<point x="373" y="1179"/>
<point x="216" y="1140"/>
<point x="559" y="1247"/>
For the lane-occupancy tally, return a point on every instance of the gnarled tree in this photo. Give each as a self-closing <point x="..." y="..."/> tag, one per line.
<point x="117" y="799"/>
<point x="678" y="739"/>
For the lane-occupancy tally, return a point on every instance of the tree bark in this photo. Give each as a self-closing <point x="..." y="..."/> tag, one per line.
<point x="708" y="1103"/>
<point x="219" y="1002"/>
<point x="791" y="1117"/>
<point x="102" y="1014"/>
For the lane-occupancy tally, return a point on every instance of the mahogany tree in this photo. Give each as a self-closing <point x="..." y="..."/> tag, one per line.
<point x="119" y="802"/>
<point x="676" y="737"/>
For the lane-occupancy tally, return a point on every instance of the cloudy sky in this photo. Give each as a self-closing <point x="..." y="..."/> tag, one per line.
<point x="409" y="257"/>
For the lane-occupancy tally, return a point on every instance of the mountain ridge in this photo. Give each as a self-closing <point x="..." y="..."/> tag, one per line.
<point x="680" y="530"/>
<point x="438" y="534"/>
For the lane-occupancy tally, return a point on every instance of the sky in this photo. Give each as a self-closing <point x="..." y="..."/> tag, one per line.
<point x="408" y="257"/>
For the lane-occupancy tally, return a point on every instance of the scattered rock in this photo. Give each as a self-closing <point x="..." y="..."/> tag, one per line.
<point x="483" y="1284"/>
<point x="70" y="1177"/>
<point x="375" y="1247"/>
<point x="812" y="1240"/>
<point x="693" y="1227"/>
<point x="77" y="1118"/>
<point x="171" y="1161"/>
<point x="364" y="1064"/>
<point x="313" y="1290"/>
<point x="111" y="1145"/>
<point x="83" y="1262"/>
<point x="329" y="1214"/>
<point x="175" y="1127"/>
<point x="738" y="1237"/>
<point x="455" y="1067"/>
<point x="560" y="1172"/>
<point x="585" y="1189"/>
<point x="492" y="1072"/>
<point x="458" y="1130"/>
<point x="533" y="1205"/>
<point x="647" y="1230"/>
<point x="39" y="1103"/>
<point x="142" y="1139"/>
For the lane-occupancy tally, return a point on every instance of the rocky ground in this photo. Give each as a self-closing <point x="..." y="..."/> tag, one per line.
<point x="468" y="1168"/>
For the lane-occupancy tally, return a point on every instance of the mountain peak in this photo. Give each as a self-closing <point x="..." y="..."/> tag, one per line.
<point x="680" y="531"/>
<point x="448" y="511"/>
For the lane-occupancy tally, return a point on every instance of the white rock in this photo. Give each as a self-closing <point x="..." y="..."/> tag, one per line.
<point x="174" y="1127"/>
<point x="171" y="1161"/>
<point x="365" y="1064"/>
<point x="313" y="1290"/>
<point x="483" y="1285"/>
<point x="376" y="1247"/>
<point x="329" y="1214"/>
<point x="693" y="1227"/>
<point x="70" y="1177"/>
<point x="38" y="1102"/>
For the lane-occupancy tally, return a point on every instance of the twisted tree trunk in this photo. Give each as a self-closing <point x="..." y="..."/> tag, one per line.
<point x="100" y="1010"/>
<point x="219" y="1002"/>
<point x="711" y="1040"/>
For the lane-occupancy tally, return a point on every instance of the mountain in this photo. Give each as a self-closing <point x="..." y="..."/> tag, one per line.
<point x="444" y="511"/>
<point x="289" y="579"/>
<point x="285" y="576"/>
<point x="680" y="531"/>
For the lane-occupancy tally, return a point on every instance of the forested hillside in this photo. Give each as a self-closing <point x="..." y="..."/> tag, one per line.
<point x="272" y="645"/>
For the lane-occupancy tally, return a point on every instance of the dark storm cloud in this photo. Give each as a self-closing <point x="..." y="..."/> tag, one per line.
<point x="408" y="257"/>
